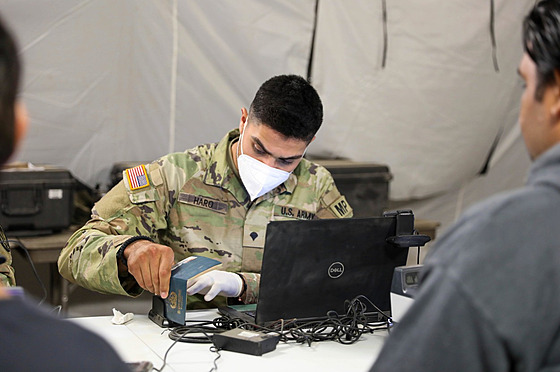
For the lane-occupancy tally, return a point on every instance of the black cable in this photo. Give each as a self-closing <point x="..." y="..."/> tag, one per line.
<point x="178" y="334"/>
<point x="24" y="249"/>
<point x="344" y="328"/>
<point x="357" y="298"/>
<point x="417" y="251"/>
<point x="216" y="350"/>
<point x="165" y="357"/>
<point x="226" y="323"/>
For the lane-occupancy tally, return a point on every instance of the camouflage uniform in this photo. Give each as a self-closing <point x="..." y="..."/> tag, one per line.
<point x="7" y="272"/>
<point x="196" y="204"/>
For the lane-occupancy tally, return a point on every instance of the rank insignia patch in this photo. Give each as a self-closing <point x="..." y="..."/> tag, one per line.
<point x="137" y="177"/>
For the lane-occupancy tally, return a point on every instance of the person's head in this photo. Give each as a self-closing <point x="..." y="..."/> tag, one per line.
<point x="289" y="105"/>
<point x="282" y="121"/>
<point x="539" y="116"/>
<point x="13" y="119"/>
<point x="541" y="41"/>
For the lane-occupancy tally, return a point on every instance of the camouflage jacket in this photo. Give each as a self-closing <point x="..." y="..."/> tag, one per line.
<point x="195" y="203"/>
<point x="7" y="272"/>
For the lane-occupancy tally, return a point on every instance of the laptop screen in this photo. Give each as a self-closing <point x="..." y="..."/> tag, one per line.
<point x="312" y="267"/>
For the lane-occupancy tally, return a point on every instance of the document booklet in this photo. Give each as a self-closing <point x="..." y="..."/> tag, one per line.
<point x="190" y="267"/>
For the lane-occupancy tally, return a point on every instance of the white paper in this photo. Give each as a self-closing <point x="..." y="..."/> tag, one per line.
<point x="120" y="318"/>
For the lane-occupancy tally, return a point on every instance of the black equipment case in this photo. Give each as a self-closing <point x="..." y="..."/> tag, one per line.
<point x="365" y="185"/>
<point x="36" y="200"/>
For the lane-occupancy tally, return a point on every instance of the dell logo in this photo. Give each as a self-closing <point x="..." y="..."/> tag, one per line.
<point x="336" y="270"/>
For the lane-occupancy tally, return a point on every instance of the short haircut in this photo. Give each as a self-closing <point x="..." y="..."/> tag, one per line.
<point x="9" y="81"/>
<point x="289" y="105"/>
<point x="541" y="41"/>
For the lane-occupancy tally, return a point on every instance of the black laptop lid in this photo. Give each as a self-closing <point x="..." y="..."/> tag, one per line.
<point x="312" y="267"/>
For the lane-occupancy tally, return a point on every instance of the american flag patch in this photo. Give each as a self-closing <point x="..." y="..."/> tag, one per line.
<point x="137" y="177"/>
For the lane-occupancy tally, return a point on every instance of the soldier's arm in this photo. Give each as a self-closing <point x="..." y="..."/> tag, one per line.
<point x="90" y="256"/>
<point x="7" y="272"/>
<point x="89" y="259"/>
<point x="150" y="264"/>
<point x="332" y="204"/>
<point x="250" y="293"/>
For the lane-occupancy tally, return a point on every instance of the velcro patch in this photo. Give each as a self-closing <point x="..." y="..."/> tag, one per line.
<point x="137" y="177"/>
<point x="292" y="212"/>
<point x="340" y="207"/>
<point x="203" y="202"/>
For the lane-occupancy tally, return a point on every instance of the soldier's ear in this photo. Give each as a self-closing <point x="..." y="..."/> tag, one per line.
<point x="243" y="120"/>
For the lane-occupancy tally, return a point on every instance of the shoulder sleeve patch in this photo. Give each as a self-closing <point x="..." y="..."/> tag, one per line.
<point x="341" y="208"/>
<point x="113" y="202"/>
<point x="137" y="177"/>
<point x="137" y="183"/>
<point x="155" y="175"/>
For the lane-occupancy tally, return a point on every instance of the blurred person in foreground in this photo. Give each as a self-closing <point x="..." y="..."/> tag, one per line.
<point x="30" y="338"/>
<point x="489" y="298"/>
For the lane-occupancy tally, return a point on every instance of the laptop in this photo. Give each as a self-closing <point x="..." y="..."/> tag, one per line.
<point x="312" y="267"/>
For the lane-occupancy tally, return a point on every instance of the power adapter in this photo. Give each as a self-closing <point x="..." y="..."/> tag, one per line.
<point x="246" y="342"/>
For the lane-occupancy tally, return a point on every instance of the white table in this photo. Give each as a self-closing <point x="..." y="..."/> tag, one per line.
<point x="141" y="339"/>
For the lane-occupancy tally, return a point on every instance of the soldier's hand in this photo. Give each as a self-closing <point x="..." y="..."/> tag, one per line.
<point x="150" y="264"/>
<point x="216" y="283"/>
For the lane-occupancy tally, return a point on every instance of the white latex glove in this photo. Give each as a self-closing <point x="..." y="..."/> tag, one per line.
<point x="215" y="283"/>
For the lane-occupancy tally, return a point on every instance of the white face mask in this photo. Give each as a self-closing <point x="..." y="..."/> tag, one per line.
<point x="257" y="177"/>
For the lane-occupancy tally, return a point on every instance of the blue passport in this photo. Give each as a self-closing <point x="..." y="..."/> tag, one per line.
<point x="190" y="267"/>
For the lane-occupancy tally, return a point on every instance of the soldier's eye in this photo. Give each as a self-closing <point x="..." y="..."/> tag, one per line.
<point x="286" y="161"/>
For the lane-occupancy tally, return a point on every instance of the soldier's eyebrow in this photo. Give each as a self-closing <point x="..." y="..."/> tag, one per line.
<point x="258" y="142"/>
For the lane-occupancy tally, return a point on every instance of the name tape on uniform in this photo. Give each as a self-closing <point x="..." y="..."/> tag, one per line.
<point x="292" y="212"/>
<point x="203" y="202"/>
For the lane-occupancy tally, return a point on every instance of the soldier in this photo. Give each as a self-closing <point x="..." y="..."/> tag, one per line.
<point x="213" y="200"/>
<point x="7" y="274"/>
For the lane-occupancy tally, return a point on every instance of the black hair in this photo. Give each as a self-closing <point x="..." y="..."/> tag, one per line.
<point x="289" y="105"/>
<point x="541" y="41"/>
<point x="9" y="82"/>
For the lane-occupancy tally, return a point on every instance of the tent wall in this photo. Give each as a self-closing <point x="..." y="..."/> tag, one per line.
<point x="418" y="86"/>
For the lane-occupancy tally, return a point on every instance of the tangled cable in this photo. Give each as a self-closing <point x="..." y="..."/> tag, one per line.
<point x="346" y="328"/>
